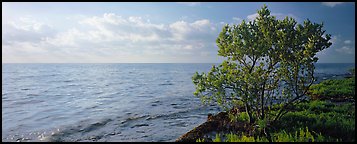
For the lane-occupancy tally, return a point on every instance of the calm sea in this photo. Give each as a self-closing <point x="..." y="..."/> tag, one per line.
<point x="107" y="102"/>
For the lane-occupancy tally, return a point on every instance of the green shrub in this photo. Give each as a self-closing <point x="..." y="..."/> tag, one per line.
<point x="241" y="117"/>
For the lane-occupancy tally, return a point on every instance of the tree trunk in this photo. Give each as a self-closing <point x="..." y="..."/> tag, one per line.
<point x="247" y="109"/>
<point x="262" y="101"/>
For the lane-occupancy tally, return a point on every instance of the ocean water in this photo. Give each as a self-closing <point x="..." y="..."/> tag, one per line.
<point x="107" y="102"/>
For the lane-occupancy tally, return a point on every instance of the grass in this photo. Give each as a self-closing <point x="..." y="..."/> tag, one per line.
<point x="331" y="120"/>
<point x="312" y="121"/>
<point x="333" y="89"/>
<point x="302" y="135"/>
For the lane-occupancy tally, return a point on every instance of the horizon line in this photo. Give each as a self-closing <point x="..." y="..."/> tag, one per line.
<point x="154" y="63"/>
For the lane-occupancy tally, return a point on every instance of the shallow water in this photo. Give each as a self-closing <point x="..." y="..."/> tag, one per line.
<point x="106" y="102"/>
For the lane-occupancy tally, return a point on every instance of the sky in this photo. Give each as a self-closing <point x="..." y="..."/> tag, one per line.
<point x="152" y="32"/>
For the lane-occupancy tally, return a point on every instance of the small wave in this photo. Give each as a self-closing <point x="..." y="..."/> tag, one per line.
<point x="168" y="116"/>
<point x="179" y="124"/>
<point x="99" y="92"/>
<point x="32" y="94"/>
<point x="133" y="118"/>
<point x="50" y="75"/>
<point x="66" y="81"/>
<point x="72" y="84"/>
<point x="27" y="102"/>
<point x="31" y="76"/>
<point x="67" y="133"/>
<point x="156" y="101"/>
<point x="139" y="125"/>
<point x="95" y="126"/>
<point x="167" y="84"/>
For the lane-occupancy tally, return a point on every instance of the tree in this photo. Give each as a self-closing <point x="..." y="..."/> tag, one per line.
<point x="269" y="61"/>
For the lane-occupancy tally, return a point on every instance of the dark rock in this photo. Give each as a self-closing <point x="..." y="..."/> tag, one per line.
<point x="215" y="123"/>
<point x="209" y="116"/>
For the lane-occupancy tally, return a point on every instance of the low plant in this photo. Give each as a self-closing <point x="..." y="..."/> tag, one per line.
<point x="302" y="135"/>
<point x="333" y="89"/>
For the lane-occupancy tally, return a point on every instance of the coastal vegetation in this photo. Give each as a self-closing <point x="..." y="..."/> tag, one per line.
<point x="334" y="89"/>
<point x="264" y="83"/>
<point x="310" y="121"/>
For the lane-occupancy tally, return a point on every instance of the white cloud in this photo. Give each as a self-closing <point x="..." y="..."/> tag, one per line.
<point x="347" y="42"/>
<point x="202" y="24"/>
<point x="28" y="24"/>
<point x="252" y="16"/>
<point x="110" y="38"/>
<point x="334" y="39"/>
<point x="237" y="20"/>
<point x="192" y="4"/>
<point x="68" y="38"/>
<point x="182" y="30"/>
<point x="346" y="50"/>
<point x="25" y="29"/>
<point x="331" y="4"/>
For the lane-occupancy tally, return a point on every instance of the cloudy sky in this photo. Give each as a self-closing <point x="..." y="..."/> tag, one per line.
<point x="168" y="32"/>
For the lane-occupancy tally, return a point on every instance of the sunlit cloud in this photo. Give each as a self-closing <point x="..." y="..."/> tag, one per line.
<point x="331" y="4"/>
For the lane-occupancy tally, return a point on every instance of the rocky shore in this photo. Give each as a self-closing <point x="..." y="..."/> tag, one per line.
<point x="215" y="123"/>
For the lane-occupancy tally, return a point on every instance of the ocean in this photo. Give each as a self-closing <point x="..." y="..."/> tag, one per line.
<point x="108" y="102"/>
